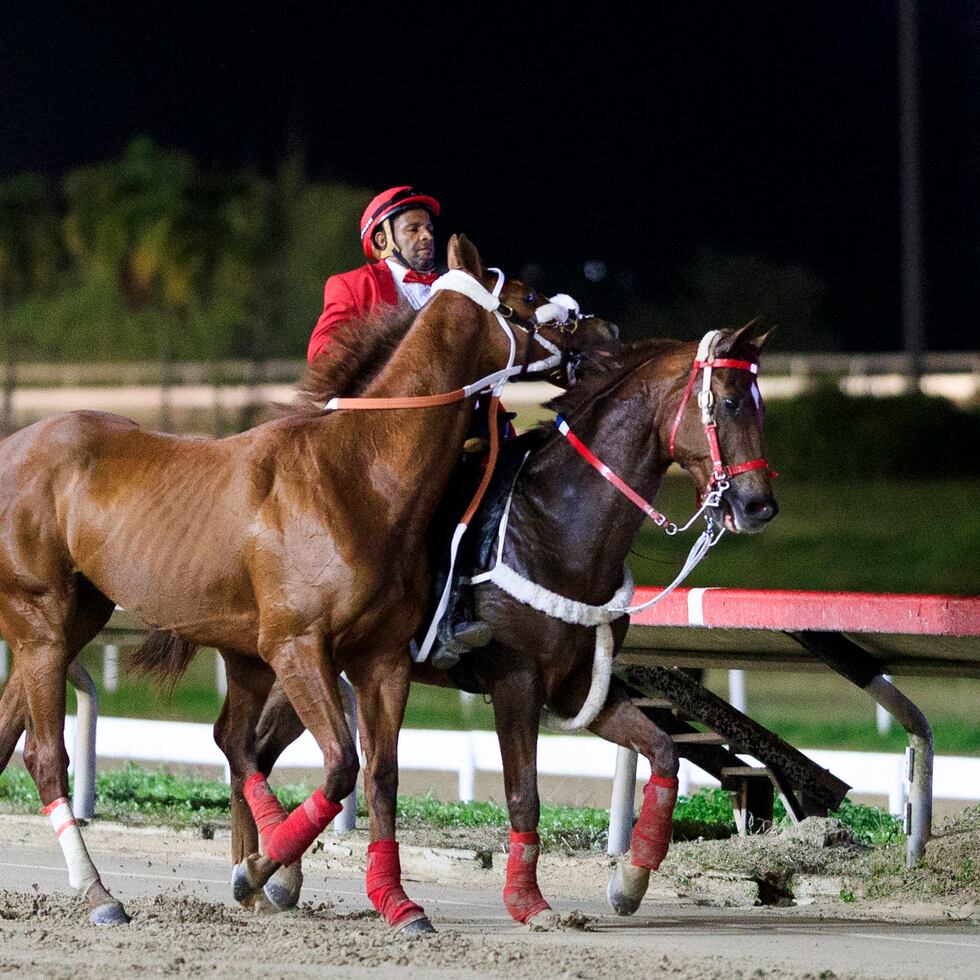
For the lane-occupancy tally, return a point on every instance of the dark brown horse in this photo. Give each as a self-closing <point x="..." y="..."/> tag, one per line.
<point x="556" y="599"/>
<point x="292" y="548"/>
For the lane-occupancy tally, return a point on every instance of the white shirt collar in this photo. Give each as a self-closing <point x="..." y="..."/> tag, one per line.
<point x="416" y="293"/>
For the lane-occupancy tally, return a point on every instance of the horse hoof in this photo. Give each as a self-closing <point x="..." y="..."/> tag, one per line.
<point x="544" y="921"/>
<point x="627" y="887"/>
<point x="109" y="914"/>
<point x="283" y="888"/>
<point x="242" y="887"/>
<point x="417" y="927"/>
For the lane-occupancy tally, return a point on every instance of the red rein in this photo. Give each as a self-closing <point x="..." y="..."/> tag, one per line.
<point x="285" y="838"/>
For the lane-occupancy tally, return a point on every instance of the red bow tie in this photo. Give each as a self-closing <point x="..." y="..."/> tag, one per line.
<point x="426" y="278"/>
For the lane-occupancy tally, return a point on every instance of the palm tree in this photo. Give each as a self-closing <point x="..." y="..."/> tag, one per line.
<point x="152" y="221"/>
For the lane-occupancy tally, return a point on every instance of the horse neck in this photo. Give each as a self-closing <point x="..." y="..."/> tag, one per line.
<point x="448" y="344"/>
<point x="571" y="530"/>
<point x="411" y="452"/>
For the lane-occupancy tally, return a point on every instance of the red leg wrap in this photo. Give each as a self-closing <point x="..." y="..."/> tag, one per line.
<point x="384" y="884"/>
<point x="652" y="831"/>
<point x="265" y="806"/>
<point x="522" y="896"/>
<point x="287" y="842"/>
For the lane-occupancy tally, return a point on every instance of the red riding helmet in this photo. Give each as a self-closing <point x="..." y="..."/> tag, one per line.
<point x="386" y="205"/>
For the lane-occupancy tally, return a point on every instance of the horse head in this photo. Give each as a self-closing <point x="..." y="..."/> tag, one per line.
<point x="716" y="428"/>
<point x="542" y="322"/>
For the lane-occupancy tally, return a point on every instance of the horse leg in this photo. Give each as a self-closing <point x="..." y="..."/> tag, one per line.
<point x="13" y="716"/>
<point x="517" y="701"/>
<point x="382" y="691"/>
<point x="310" y="682"/>
<point x="91" y="612"/>
<point x="249" y="682"/>
<point x="620" y="721"/>
<point x="278" y="727"/>
<point x="44" y="669"/>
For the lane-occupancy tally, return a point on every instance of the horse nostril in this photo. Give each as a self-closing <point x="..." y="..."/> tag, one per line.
<point x="762" y="509"/>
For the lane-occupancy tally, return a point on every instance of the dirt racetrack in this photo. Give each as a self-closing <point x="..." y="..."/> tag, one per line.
<point x="718" y="910"/>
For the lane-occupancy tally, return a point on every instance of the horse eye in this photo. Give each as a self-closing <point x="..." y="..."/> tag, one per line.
<point x="732" y="403"/>
<point x="531" y="298"/>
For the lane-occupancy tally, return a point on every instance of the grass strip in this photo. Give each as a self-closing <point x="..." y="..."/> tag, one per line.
<point x="136" y="795"/>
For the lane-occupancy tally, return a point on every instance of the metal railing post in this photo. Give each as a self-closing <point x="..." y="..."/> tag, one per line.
<point x="918" y="809"/>
<point x="346" y="820"/>
<point x="621" y="804"/>
<point x="83" y="799"/>
<point x="110" y="667"/>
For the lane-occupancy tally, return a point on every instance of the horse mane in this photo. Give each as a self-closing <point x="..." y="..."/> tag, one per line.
<point x="358" y="350"/>
<point x="598" y="375"/>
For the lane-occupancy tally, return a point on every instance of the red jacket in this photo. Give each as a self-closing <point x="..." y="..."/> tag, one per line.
<point x="352" y="294"/>
<point x="349" y="295"/>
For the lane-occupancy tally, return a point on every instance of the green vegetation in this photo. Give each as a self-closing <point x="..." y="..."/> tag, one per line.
<point x="142" y="796"/>
<point x="827" y="434"/>
<point x="854" y="535"/>
<point x="149" y="255"/>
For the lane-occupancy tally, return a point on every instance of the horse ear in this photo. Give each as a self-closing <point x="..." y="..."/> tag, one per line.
<point x="745" y="336"/>
<point x="462" y="254"/>
<point x="453" y="259"/>
<point x="761" y="340"/>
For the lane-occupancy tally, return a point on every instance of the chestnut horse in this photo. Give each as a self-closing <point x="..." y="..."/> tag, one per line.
<point x="560" y="557"/>
<point x="292" y="548"/>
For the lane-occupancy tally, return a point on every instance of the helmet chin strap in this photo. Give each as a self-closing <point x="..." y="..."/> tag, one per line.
<point x="391" y="250"/>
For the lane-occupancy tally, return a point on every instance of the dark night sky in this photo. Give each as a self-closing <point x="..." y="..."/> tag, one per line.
<point x="768" y="128"/>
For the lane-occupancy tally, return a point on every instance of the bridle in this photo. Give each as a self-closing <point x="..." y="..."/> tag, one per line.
<point x="721" y="475"/>
<point x="706" y="362"/>
<point x="561" y="312"/>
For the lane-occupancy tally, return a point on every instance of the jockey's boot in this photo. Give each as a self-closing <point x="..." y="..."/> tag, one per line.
<point x="452" y="643"/>
<point x="459" y="631"/>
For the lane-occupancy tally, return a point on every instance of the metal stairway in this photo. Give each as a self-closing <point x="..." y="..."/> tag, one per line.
<point x="677" y="703"/>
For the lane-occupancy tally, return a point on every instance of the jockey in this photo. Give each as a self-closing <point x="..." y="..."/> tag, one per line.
<point x="399" y="243"/>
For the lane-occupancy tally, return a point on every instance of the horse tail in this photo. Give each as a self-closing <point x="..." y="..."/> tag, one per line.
<point x="164" y="656"/>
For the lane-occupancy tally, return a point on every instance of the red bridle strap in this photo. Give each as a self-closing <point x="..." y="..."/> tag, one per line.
<point x="624" y="488"/>
<point x="719" y="471"/>
<point x="728" y="362"/>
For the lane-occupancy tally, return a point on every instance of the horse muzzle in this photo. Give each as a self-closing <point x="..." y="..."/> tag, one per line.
<point x="746" y="511"/>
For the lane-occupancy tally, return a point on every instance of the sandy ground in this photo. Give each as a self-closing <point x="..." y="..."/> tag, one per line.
<point x="757" y="908"/>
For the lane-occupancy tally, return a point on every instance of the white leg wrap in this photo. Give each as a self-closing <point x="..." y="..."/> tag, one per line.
<point x="82" y="873"/>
